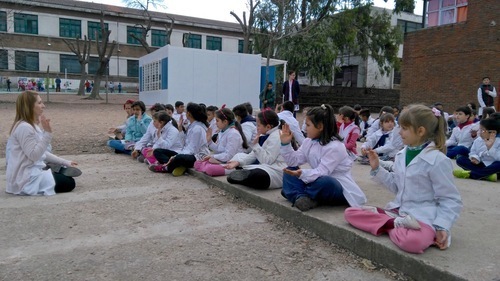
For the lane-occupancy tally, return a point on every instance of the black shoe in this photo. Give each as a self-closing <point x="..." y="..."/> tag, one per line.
<point x="67" y="171"/>
<point x="305" y="203"/>
<point x="238" y="176"/>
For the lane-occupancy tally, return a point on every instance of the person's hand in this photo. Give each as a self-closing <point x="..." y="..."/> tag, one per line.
<point x="206" y="158"/>
<point x="373" y="157"/>
<point x="73" y="164"/>
<point x="490" y="141"/>
<point x="231" y="165"/>
<point x="441" y="240"/>
<point x="135" y="154"/>
<point x="286" y="134"/>
<point x="139" y="117"/>
<point x="45" y="124"/>
<point x="256" y="140"/>
<point x="295" y="173"/>
<point x="111" y="130"/>
<point x="179" y="125"/>
<point x="487" y="91"/>
<point x="209" y="135"/>
<point x="150" y="153"/>
<point x="363" y="151"/>
<point x="474" y="161"/>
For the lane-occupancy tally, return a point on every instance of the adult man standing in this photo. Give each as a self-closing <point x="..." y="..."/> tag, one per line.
<point x="486" y="95"/>
<point x="267" y="97"/>
<point x="58" y="84"/>
<point x="291" y="91"/>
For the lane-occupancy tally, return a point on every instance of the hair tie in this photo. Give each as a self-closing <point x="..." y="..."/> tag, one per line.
<point x="323" y="106"/>
<point x="221" y="112"/>
<point x="436" y="112"/>
<point x="223" y="106"/>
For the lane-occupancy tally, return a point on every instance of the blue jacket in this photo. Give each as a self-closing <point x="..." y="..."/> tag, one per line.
<point x="136" y="129"/>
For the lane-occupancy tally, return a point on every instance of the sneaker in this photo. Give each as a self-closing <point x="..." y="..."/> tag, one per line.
<point x="406" y="222"/>
<point x="141" y="158"/>
<point x="158" y="168"/>
<point x="370" y="209"/>
<point x="305" y="203"/>
<point x="461" y="173"/>
<point x="492" y="177"/>
<point x="238" y="176"/>
<point x="179" y="171"/>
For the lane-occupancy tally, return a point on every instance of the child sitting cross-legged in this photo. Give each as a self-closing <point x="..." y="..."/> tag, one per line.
<point x="230" y="141"/>
<point x="484" y="158"/>
<point x="263" y="166"/>
<point x="427" y="202"/>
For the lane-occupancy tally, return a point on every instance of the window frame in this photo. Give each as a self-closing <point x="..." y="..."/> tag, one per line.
<point x="24" y="66"/>
<point x="193" y="38"/>
<point x="90" y="34"/>
<point x="160" y="36"/>
<point x="135" y="30"/>
<point x="69" y="63"/>
<point x="130" y="72"/>
<point x="212" y="41"/>
<point x="3" y="21"/>
<point x="71" y="23"/>
<point x="4" y="59"/>
<point x="440" y="10"/>
<point x="27" y="20"/>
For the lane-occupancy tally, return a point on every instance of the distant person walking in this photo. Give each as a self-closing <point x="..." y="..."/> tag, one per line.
<point x="291" y="91"/>
<point x="111" y="87"/>
<point x="486" y="95"/>
<point x="119" y="87"/>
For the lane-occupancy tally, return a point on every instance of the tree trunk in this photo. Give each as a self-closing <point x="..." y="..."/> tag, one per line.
<point x="95" y="90"/>
<point x="83" y="77"/>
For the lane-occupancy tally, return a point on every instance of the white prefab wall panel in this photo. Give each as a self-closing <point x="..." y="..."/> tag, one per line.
<point x="209" y="77"/>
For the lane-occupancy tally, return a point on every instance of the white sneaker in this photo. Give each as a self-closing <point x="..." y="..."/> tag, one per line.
<point x="406" y="222"/>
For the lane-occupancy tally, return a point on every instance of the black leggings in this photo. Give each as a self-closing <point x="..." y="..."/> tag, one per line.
<point x="258" y="179"/>
<point x="63" y="183"/>
<point x="163" y="156"/>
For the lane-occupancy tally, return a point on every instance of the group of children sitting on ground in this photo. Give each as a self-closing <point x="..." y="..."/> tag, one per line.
<point x="406" y="150"/>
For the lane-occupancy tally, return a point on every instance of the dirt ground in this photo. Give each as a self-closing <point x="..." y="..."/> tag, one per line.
<point x="108" y="233"/>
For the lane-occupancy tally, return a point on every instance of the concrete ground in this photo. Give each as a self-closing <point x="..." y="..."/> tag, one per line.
<point x="125" y="223"/>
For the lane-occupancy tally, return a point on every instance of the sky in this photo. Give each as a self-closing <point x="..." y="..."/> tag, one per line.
<point x="219" y="9"/>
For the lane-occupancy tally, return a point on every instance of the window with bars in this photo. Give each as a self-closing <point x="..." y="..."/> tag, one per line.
<point x="151" y="76"/>
<point x="192" y="40"/>
<point x="25" y="23"/>
<point x="3" y="21"/>
<point x="441" y="12"/>
<point x="132" y="68"/>
<point x="93" y="27"/>
<point x="27" y="61"/>
<point x="347" y="76"/>
<point x="137" y="31"/>
<point x="69" y="63"/>
<point x="158" y="38"/>
<point x="70" y="28"/>
<point x="214" y="43"/>
<point x="4" y="59"/>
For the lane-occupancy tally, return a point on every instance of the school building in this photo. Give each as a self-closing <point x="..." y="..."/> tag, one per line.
<point x="447" y="60"/>
<point x="32" y="33"/>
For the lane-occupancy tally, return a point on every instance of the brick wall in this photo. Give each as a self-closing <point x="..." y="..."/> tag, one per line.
<point x="447" y="63"/>
<point x="371" y="98"/>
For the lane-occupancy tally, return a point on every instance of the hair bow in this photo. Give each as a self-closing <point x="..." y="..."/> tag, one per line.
<point x="436" y="112"/>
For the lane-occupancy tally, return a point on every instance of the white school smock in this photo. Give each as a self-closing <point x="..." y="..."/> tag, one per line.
<point x="393" y="144"/>
<point x="195" y="141"/>
<point x="461" y="137"/>
<point x="425" y="188"/>
<point x="269" y="157"/>
<point x="294" y="125"/>
<point x="27" y="151"/>
<point x="170" y="138"/>
<point x="147" y="139"/>
<point x="229" y="142"/>
<point x="480" y="152"/>
<point x="326" y="160"/>
<point x="373" y="139"/>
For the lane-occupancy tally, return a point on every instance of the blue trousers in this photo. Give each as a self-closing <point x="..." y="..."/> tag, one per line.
<point x="119" y="147"/>
<point x="459" y="150"/>
<point x="324" y="190"/>
<point x="478" y="171"/>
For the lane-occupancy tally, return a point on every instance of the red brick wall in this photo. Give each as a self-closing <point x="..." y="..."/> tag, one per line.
<point x="447" y="63"/>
